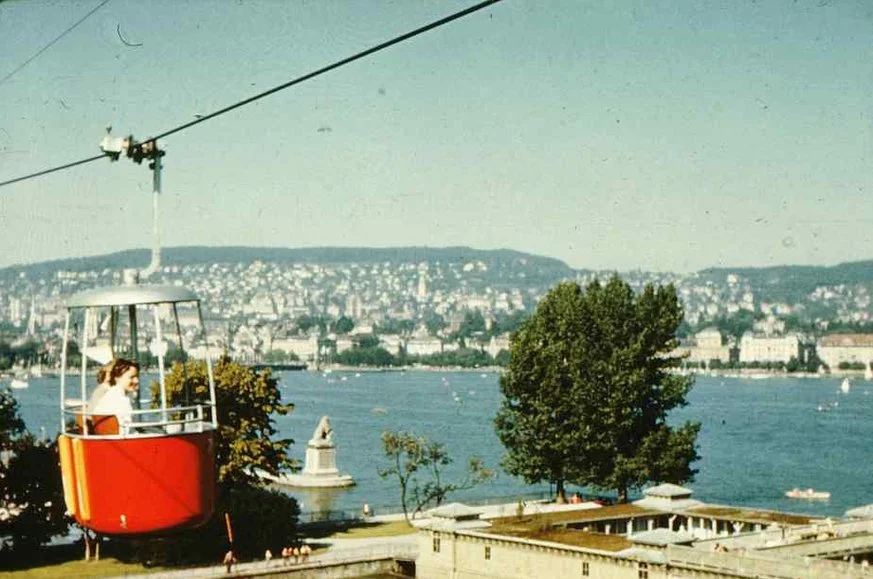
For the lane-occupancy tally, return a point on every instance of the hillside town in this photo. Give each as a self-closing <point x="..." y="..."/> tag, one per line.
<point x="261" y="311"/>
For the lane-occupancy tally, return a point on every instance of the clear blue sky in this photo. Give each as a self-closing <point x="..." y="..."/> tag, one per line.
<point x="657" y="134"/>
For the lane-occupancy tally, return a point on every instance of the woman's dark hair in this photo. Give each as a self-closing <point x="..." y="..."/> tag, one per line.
<point x="114" y="370"/>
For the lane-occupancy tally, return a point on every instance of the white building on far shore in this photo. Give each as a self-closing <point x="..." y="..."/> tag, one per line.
<point x="852" y="348"/>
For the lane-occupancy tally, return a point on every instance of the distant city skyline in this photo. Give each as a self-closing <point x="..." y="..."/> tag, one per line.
<point x="651" y="136"/>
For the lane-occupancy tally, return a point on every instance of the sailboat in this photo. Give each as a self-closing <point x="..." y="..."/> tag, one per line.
<point x="868" y="372"/>
<point x="844" y="386"/>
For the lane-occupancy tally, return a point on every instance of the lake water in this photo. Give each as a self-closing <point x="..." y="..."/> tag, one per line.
<point x="759" y="437"/>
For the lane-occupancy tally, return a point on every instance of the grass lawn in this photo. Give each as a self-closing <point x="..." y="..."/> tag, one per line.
<point x="66" y="561"/>
<point x="74" y="569"/>
<point x="372" y="530"/>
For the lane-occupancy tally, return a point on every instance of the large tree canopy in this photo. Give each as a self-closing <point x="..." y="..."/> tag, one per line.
<point x="587" y="390"/>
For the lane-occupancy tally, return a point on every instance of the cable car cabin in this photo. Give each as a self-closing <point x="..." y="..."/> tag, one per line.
<point x="152" y="468"/>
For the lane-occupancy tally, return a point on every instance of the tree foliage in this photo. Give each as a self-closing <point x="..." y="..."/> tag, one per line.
<point x="260" y="519"/>
<point x="32" y="508"/>
<point x="587" y="390"/>
<point x="246" y="399"/>
<point x="411" y="457"/>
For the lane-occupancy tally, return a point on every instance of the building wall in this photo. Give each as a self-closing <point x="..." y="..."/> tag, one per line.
<point x="834" y="355"/>
<point x="463" y="557"/>
<point x="754" y="349"/>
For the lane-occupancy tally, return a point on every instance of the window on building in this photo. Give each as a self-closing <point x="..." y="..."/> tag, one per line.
<point x="487" y="553"/>
<point x="585" y="570"/>
<point x="643" y="571"/>
<point x="436" y="544"/>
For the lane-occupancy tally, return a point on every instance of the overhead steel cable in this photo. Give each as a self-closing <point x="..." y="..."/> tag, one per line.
<point x="50" y="44"/>
<point x="337" y="64"/>
<point x="320" y="71"/>
<point x="52" y="170"/>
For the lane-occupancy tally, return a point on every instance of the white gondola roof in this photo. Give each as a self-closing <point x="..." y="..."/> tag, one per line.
<point x="124" y="295"/>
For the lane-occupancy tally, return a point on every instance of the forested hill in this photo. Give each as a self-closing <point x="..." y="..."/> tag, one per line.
<point x="791" y="283"/>
<point x="499" y="263"/>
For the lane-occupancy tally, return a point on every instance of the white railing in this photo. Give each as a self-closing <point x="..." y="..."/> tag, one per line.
<point x="144" y="422"/>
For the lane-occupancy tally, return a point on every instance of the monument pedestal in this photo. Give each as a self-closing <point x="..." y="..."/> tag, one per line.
<point x="320" y="469"/>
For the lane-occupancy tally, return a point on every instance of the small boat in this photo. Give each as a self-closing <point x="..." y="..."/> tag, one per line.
<point x="845" y="385"/>
<point x="19" y="384"/>
<point x="797" y="493"/>
<point x="868" y="372"/>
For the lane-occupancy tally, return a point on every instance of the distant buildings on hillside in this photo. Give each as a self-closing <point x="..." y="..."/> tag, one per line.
<point x="709" y="346"/>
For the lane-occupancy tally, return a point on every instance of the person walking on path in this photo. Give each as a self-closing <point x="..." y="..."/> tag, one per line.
<point x="305" y="551"/>
<point x="268" y="556"/>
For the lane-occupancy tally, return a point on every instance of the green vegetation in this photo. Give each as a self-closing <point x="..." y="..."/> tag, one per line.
<point x="410" y="455"/>
<point x="247" y="400"/>
<point x="31" y="493"/>
<point x="63" y="561"/>
<point x="588" y="389"/>
<point x="375" y="530"/>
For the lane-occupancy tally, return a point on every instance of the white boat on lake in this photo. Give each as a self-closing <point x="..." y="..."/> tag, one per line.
<point x="812" y="494"/>
<point x="845" y="386"/>
<point x="19" y="384"/>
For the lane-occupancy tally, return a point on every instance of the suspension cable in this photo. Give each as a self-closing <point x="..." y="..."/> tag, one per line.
<point x="300" y="79"/>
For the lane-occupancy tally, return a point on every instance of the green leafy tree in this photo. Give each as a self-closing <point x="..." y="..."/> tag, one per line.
<point x="587" y="391"/>
<point x="417" y="463"/>
<point x="11" y="424"/>
<point x="395" y="326"/>
<point x="247" y="399"/>
<point x="260" y="519"/>
<point x="279" y="356"/>
<point x="367" y="341"/>
<point x="343" y="325"/>
<point x="368" y="356"/>
<point x="474" y="322"/>
<point x="434" y="323"/>
<point x="6" y="356"/>
<point x="737" y="324"/>
<point x="31" y="493"/>
<point x="506" y="323"/>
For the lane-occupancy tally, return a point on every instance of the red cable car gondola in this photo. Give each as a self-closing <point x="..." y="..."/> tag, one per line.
<point x="154" y="470"/>
<point x="157" y="472"/>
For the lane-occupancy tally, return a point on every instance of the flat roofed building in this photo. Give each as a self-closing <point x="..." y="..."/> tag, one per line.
<point x="838" y="348"/>
<point x="708" y="345"/>
<point x="760" y="349"/>
<point x="667" y="534"/>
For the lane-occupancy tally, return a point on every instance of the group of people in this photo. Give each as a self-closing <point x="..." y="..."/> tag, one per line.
<point x="299" y="554"/>
<point x="116" y="380"/>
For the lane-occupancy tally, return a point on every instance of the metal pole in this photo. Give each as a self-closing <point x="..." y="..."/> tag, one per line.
<point x="208" y="367"/>
<point x="159" y="342"/>
<point x="84" y="352"/>
<point x="156" y="239"/>
<point x="134" y="345"/>
<point x="64" y="370"/>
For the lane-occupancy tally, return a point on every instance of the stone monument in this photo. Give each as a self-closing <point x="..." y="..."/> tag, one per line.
<point x="320" y="470"/>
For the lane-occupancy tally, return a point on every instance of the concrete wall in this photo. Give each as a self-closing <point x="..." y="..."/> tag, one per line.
<point x="334" y="570"/>
<point x="463" y="557"/>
